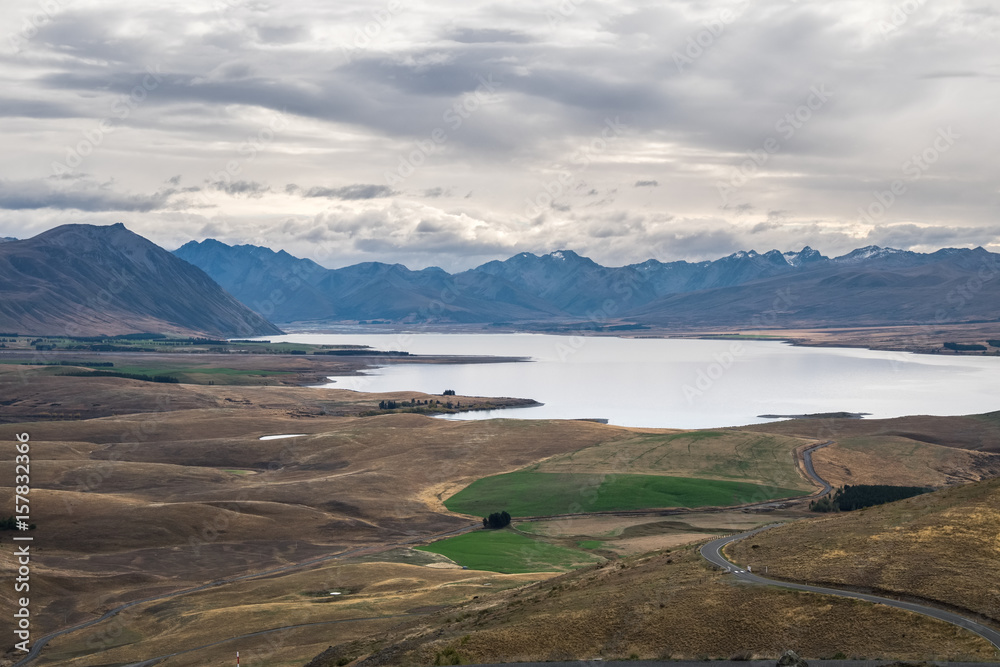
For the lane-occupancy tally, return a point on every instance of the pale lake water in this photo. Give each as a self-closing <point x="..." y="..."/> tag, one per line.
<point x="678" y="383"/>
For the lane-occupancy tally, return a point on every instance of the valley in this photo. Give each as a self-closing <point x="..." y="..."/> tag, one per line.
<point x="315" y="534"/>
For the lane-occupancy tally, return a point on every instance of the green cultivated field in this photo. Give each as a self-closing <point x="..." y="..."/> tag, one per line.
<point x="509" y="553"/>
<point x="530" y="493"/>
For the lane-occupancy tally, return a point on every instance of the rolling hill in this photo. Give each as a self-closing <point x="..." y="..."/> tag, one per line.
<point x="940" y="547"/>
<point x="85" y="280"/>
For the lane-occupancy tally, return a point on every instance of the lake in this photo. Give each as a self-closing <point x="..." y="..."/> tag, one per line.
<point x="678" y="383"/>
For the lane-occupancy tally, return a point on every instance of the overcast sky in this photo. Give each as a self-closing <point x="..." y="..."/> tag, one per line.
<point x="452" y="133"/>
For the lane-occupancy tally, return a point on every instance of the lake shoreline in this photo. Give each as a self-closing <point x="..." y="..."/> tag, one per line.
<point x="676" y="382"/>
<point x="913" y="338"/>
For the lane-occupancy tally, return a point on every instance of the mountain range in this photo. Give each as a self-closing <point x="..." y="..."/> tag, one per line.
<point x="868" y="286"/>
<point x="90" y="280"/>
<point x="85" y="280"/>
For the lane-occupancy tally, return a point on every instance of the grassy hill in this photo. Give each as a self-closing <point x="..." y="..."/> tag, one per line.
<point x="973" y="432"/>
<point x="725" y="455"/>
<point x="942" y="546"/>
<point x="895" y="460"/>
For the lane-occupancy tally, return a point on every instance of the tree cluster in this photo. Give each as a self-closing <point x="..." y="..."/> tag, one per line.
<point x="412" y="403"/>
<point x="10" y="523"/>
<point x="496" y="520"/>
<point x="963" y="347"/>
<point x="858" y="496"/>
<point x="128" y="376"/>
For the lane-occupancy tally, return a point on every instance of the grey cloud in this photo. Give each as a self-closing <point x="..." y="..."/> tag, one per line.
<point x="282" y="34"/>
<point x="480" y="35"/>
<point x="33" y="195"/>
<point x="351" y="192"/>
<point x="953" y="75"/>
<point x="35" y="109"/>
<point x="241" y="188"/>
<point x="908" y="236"/>
<point x="647" y="184"/>
<point x="428" y="227"/>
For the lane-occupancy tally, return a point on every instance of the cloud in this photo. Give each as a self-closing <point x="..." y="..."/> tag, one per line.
<point x="241" y="188"/>
<point x="84" y="196"/>
<point x="488" y="35"/>
<point x="351" y="192"/>
<point x="297" y="92"/>
<point x="35" y="109"/>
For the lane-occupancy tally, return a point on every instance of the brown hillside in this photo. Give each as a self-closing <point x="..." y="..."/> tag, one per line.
<point x="660" y="606"/>
<point x="943" y="546"/>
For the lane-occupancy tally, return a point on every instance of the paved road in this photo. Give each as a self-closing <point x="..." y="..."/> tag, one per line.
<point x="807" y="461"/>
<point x="41" y="642"/>
<point x="712" y="551"/>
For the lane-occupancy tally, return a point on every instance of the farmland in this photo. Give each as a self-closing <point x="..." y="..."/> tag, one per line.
<point x="533" y="493"/>
<point x="508" y="552"/>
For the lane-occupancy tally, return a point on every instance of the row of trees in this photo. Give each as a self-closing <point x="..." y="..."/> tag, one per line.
<point x="858" y="496"/>
<point x="965" y="347"/>
<point x="412" y="403"/>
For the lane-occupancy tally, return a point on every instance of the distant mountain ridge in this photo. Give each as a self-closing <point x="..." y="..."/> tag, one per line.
<point x="870" y="285"/>
<point x="85" y="280"/>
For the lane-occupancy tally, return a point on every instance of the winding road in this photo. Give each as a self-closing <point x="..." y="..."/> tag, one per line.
<point x="807" y="463"/>
<point x="712" y="552"/>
